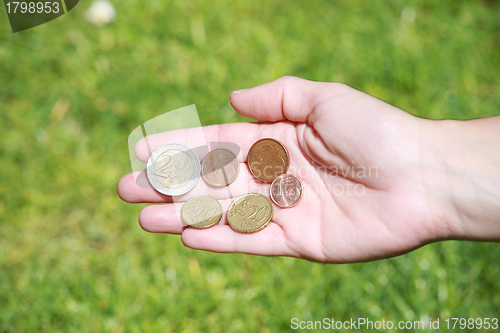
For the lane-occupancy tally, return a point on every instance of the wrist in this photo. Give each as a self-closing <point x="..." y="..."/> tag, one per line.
<point x="469" y="156"/>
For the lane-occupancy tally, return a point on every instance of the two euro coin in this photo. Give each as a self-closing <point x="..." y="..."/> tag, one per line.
<point x="173" y="169"/>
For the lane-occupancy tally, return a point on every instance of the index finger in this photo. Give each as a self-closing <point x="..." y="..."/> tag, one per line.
<point x="242" y="134"/>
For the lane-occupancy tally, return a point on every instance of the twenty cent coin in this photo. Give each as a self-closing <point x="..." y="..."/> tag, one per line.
<point x="286" y="191"/>
<point x="201" y="212"/>
<point x="220" y="167"/>
<point x="250" y="213"/>
<point x="173" y="169"/>
<point x="268" y="159"/>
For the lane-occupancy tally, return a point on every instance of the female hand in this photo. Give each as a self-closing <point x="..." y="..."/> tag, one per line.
<point x="375" y="184"/>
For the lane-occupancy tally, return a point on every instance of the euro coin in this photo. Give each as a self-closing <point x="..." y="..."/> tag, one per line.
<point x="250" y="213"/>
<point x="220" y="167"/>
<point x="286" y="191"/>
<point x="173" y="169"/>
<point x="268" y="159"/>
<point x="201" y="212"/>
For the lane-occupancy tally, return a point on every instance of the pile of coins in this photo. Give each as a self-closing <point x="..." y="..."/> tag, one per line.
<point x="174" y="169"/>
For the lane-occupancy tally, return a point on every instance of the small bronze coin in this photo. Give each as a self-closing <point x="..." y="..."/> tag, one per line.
<point x="220" y="167"/>
<point x="250" y="213"/>
<point x="286" y="191"/>
<point x="201" y="212"/>
<point x="268" y="159"/>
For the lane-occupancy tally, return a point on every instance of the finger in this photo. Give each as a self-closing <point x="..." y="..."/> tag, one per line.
<point x="167" y="218"/>
<point x="287" y="98"/>
<point x="243" y="135"/>
<point x="135" y="187"/>
<point x="161" y="218"/>
<point x="270" y="241"/>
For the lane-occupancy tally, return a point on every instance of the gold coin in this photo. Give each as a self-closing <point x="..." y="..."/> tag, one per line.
<point x="268" y="159"/>
<point x="220" y="167"/>
<point x="250" y="213"/>
<point x="201" y="212"/>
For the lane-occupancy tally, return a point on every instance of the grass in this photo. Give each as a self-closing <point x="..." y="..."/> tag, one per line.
<point x="72" y="255"/>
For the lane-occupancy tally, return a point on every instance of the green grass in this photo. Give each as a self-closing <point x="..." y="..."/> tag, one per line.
<point x="72" y="255"/>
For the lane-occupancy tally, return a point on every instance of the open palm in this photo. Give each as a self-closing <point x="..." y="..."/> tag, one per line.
<point x="362" y="162"/>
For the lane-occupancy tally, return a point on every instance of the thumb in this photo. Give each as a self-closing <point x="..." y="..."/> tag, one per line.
<point x="287" y="98"/>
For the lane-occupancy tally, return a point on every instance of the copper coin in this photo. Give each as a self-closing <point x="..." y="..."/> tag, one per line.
<point x="268" y="159"/>
<point x="220" y="167"/>
<point x="286" y="191"/>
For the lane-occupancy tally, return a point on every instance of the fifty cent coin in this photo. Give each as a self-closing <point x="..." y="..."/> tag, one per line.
<point x="268" y="159"/>
<point x="220" y="167"/>
<point x="201" y="212"/>
<point x="173" y="169"/>
<point x="286" y="191"/>
<point x="250" y="213"/>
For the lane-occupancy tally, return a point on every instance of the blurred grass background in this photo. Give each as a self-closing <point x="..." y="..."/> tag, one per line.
<point x="72" y="255"/>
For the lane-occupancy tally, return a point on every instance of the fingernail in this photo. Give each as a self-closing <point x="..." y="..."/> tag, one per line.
<point x="236" y="92"/>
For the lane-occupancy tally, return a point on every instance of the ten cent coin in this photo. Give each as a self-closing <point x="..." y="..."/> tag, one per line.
<point x="250" y="213"/>
<point x="220" y="167"/>
<point x="173" y="169"/>
<point x="286" y="191"/>
<point x="201" y="212"/>
<point x="268" y="159"/>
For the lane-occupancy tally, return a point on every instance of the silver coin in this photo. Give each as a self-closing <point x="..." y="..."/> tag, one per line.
<point x="173" y="169"/>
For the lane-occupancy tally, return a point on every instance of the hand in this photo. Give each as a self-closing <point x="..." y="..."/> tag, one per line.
<point x="373" y="181"/>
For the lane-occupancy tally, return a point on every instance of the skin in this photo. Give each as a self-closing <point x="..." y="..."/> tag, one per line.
<point x="428" y="180"/>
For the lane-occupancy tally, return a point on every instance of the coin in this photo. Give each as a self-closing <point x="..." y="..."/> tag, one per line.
<point x="201" y="212"/>
<point x="173" y="169"/>
<point x="286" y="191"/>
<point x="250" y="213"/>
<point x="268" y="159"/>
<point x="220" y="167"/>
